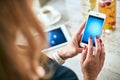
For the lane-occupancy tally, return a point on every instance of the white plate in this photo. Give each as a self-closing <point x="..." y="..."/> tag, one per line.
<point x="53" y="17"/>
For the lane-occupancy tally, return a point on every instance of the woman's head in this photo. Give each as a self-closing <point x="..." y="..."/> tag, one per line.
<point x="16" y="63"/>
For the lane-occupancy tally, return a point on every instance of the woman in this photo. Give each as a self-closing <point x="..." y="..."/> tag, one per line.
<point x="27" y="62"/>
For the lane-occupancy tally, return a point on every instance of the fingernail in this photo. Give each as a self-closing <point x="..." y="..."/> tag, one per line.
<point x="100" y="40"/>
<point x="90" y="37"/>
<point x="96" y="37"/>
<point x="84" y="48"/>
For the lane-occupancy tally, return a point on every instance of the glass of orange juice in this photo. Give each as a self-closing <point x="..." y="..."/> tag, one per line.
<point x="109" y="8"/>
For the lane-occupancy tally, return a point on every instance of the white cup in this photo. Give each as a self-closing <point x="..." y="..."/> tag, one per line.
<point x="46" y="15"/>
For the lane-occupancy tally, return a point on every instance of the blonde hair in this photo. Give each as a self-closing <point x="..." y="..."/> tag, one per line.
<point x="17" y="15"/>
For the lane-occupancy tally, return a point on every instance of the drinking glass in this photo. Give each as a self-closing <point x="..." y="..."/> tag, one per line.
<point x="87" y="6"/>
<point x="109" y="8"/>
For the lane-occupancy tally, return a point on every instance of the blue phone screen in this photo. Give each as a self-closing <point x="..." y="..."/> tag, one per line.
<point x="93" y="28"/>
<point x="56" y="37"/>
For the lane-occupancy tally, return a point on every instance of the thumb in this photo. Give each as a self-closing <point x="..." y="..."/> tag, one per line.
<point x="79" y="50"/>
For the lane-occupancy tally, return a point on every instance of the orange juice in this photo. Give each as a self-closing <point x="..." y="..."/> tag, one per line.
<point x="109" y="8"/>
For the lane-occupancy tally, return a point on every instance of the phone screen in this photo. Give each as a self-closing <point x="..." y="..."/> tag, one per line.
<point x="56" y="37"/>
<point x="93" y="28"/>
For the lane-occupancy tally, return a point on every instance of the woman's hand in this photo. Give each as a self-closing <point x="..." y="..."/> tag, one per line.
<point x="73" y="47"/>
<point x="92" y="61"/>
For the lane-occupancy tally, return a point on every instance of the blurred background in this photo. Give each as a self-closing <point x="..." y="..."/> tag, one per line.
<point x="72" y="13"/>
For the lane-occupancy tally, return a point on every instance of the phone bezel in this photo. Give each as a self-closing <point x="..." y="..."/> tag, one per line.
<point x="95" y="14"/>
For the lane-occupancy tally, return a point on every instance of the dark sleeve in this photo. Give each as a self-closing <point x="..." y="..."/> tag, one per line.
<point x="62" y="72"/>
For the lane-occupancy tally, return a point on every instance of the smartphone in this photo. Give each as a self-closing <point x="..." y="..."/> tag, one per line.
<point x="57" y="36"/>
<point x="93" y="27"/>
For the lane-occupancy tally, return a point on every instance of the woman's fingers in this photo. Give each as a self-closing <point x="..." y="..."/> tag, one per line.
<point x="102" y="55"/>
<point x="98" y="43"/>
<point x="100" y="51"/>
<point x="90" y="48"/>
<point x="83" y="55"/>
<point x="79" y="50"/>
<point x="92" y="63"/>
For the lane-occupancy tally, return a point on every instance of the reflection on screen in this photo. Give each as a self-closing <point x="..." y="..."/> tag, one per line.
<point x="56" y="37"/>
<point x="93" y="28"/>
